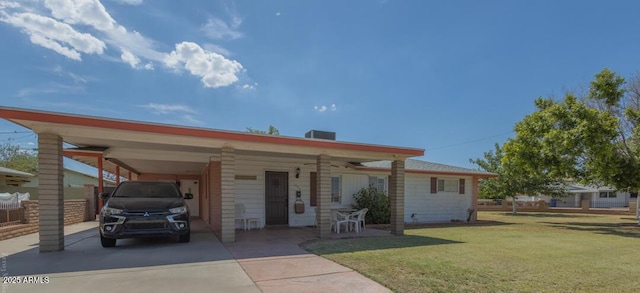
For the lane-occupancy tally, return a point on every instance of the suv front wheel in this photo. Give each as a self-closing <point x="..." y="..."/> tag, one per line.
<point x="107" y="242"/>
<point x="185" y="237"/>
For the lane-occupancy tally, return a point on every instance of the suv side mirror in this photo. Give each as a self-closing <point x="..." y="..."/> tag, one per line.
<point x="105" y="195"/>
<point x="188" y="196"/>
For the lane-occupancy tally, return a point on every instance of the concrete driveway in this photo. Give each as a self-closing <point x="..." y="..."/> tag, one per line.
<point x="268" y="260"/>
<point x="135" y="265"/>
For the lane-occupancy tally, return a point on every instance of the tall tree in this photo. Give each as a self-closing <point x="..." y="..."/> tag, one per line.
<point x="272" y="131"/>
<point x="13" y="157"/>
<point x="565" y="140"/>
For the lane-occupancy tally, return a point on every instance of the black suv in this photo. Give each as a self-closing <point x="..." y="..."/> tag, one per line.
<point x="144" y="209"/>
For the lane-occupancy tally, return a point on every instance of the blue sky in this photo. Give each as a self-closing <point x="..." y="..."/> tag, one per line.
<point x="452" y="77"/>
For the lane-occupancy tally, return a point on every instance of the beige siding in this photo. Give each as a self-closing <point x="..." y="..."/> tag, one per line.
<point x="438" y="207"/>
<point x="251" y="193"/>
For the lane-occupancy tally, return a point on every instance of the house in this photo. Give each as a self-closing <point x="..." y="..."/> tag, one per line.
<point x="598" y="196"/>
<point x="265" y="173"/>
<point x="10" y="177"/>
<point x="73" y="182"/>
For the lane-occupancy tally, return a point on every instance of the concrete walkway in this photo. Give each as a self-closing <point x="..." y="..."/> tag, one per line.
<point x="276" y="263"/>
<point x="268" y="260"/>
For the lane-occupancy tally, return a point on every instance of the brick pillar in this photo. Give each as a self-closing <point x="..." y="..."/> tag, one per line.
<point x="475" y="183"/>
<point x="228" y="209"/>
<point x="50" y="192"/>
<point x="586" y="203"/>
<point x="396" y="195"/>
<point x="323" y="199"/>
<point x="215" y="198"/>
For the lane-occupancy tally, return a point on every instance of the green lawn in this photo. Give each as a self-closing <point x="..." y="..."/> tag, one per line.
<point x="530" y="252"/>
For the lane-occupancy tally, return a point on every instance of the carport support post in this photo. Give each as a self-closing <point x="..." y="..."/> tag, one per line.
<point x="396" y="195"/>
<point x="228" y="202"/>
<point x="51" y="192"/>
<point x="323" y="187"/>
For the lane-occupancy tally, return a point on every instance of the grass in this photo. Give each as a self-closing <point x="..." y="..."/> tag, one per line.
<point x="529" y="252"/>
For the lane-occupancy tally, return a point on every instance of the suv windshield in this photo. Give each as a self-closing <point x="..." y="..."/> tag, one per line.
<point x="147" y="189"/>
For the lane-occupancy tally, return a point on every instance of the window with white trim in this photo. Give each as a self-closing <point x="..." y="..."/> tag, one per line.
<point x="336" y="195"/>
<point x="608" y="194"/>
<point x="379" y="183"/>
<point x="448" y="185"/>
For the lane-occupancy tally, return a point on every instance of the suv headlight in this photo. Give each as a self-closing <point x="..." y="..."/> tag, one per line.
<point x="179" y="210"/>
<point x="107" y="211"/>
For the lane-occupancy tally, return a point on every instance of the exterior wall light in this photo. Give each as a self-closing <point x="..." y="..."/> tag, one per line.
<point x="298" y="172"/>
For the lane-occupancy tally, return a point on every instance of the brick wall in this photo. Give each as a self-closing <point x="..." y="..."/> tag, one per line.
<point x="75" y="211"/>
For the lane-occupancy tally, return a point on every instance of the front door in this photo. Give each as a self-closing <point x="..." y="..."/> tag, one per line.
<point x="277" y="198"/>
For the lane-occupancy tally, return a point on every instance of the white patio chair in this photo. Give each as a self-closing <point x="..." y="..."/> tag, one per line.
<point x="338" y="219"/>
<point x="245" y="220"/>
<point x="356" y="218"/>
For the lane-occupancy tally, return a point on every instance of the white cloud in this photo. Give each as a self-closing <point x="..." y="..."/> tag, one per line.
<point x="168" y="109"/>
<point x="278" y="13"/>
<point x="130" y="58"/>
<point x="61" y="72"/>
<point x="130" y="2"/>
<point x="213" y="69"/>
<point x="63" y="33"/>
<point x="51" y="88"/>
<point x="57" y="36"/>
<point x="217" y="29"/>
<point x="247" y="86"/>
<point x="324" y="108"/>
<point x="218" y="49"/>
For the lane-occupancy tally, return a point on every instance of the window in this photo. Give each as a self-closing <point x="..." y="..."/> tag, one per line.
<point x="448" y="185"/>
<point x="608" y="194"/>
<point x="378" y="182"/>
<point x="336" y="195"/>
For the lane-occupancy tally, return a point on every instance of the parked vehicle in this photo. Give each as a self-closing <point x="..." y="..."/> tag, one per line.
<point x="137" y="209"/>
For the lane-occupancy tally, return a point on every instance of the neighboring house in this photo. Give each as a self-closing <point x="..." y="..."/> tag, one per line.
<point x="599" y="197"/>
<point x="10" y="177"/>
<point x="73" y="178"/>
<point x="73" y="185"/>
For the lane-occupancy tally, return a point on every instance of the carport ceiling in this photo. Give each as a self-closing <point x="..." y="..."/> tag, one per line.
<point x="169" y="149"/>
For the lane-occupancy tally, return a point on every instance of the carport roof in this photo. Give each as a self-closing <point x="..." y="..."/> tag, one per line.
<point x="131" y="144"/>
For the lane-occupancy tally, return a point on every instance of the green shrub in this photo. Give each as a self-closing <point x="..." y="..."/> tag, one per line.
<point x="377" y="202"/>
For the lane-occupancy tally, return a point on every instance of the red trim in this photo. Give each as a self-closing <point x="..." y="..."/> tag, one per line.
<point x="195" y="132"/>
<point x="68" y="153"/>
<point x="100" y="184"/>
<point x="117" y="174"/>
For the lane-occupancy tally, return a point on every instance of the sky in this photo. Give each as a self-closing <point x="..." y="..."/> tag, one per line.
<point x="450" y="77"/>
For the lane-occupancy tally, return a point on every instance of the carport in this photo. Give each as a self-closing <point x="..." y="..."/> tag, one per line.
<point x="141" y="150"/>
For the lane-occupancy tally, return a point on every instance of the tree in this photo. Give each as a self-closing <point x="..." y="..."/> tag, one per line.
<point x="510" y="181"/>
<point x="272" y="131"/>
<point x="607" y="93"/>
<point x="564" y="140"/>
<point x="12" y="157"/>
